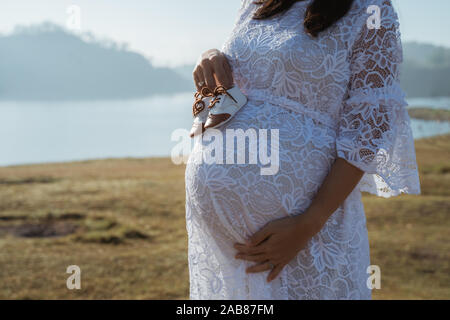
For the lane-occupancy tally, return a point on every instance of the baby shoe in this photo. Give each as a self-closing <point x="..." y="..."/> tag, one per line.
<point x="224" y="106"/>
<point x="200" y="111"/>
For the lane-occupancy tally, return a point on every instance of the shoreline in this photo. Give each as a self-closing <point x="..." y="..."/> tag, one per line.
<point x="165" y="158"/>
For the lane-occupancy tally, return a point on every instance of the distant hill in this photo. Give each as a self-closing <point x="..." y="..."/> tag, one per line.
<point x="46" y="62"/>
<point x="426" y="70"/>
<point x="185" y="71"/>
<point x="426" y="55"/>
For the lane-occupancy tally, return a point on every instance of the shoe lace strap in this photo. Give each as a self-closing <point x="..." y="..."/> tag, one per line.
<point x="218" y="92"/>
<point x="199" y="105"/>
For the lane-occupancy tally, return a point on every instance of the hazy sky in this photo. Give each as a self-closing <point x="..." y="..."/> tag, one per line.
<point x="175" y="32"/>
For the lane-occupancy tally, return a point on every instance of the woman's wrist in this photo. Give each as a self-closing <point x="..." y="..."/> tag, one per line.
<point x="314" y="218"/>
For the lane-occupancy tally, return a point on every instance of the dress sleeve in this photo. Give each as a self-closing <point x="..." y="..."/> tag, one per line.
<point x="374" y="132"/>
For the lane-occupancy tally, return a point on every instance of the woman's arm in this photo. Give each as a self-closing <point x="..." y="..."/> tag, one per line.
<point x="275" y="245"/>
<point x="336" y="187"/>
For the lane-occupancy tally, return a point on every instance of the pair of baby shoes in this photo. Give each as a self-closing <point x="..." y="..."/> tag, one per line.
<point x="212" y="109"/>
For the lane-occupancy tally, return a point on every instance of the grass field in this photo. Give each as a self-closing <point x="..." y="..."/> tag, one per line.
<point x="429" y="114"/>
<point x="122" y="221"/>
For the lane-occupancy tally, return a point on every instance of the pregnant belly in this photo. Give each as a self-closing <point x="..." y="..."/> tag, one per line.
<point x="237" y="199"/>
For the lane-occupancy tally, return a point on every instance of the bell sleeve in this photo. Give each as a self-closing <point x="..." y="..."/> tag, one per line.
<point x="374" y="132"/>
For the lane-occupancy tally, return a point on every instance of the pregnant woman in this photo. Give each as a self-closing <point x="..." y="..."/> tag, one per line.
<point x="325" y="74"/>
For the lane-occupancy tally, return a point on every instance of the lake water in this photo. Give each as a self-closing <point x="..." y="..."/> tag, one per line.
<point x="435" y="103"/>
<point x="38" y="132"/>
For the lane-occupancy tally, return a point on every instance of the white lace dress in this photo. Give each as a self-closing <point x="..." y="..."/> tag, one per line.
<point x="334" y="96"/>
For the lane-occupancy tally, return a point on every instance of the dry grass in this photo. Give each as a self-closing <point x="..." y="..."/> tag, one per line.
<point x="130" y="238"/>
<point x="429" y="114"/>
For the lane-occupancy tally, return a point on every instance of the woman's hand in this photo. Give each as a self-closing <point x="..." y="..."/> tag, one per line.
<point x="213" y="69"/>
<point x="279" y="241"/>
<point x="275" y="245"/>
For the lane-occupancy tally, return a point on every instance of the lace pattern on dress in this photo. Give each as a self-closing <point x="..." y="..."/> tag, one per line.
<point x="374" y="131"/>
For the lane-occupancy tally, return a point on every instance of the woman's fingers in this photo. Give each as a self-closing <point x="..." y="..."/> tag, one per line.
<point x="275" y="272"/>
<point x="200" y="81"/>
<point x="213" y="69"/>
<point x="260" y="235"/>
<point x="197" y="80"/>
<point x="208" y="73"/>
<point x="243" y="249"/>
<point x="253" y="258"/>
<point x="223" y="76"/>
<point x="264" y="266"/>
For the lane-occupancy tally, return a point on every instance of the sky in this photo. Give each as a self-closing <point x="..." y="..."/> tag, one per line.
<point x="175" y="32"/>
